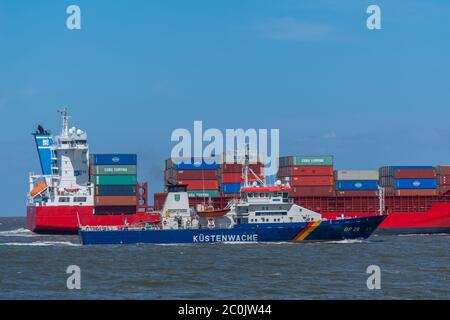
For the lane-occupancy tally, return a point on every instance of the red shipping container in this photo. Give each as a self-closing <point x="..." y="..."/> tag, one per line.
<point x="311" y="191"/>
<point x="196" y="175"/>
<point x="416" y="192"/>
<point x="298" y="181"/>
<point x="356" y="193"/>
<point x="415" y="174"/>
<point x="231" y="177"/>
<point x="200" y="184"/>
<point x="306" y="171"/>
<point x="237" y="167"/>
<point x="444" y="180"/>
<point x="444" y="170"/>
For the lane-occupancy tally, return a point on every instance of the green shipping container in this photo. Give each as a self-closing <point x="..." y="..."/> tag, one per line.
<point x="114" y="170"/>
<point x="115" y="180"/>
<point x="203" y="193"/>
<point x="306" y="161"/>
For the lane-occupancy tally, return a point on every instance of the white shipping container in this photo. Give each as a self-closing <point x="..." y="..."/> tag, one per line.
<point x="357" y="175"/>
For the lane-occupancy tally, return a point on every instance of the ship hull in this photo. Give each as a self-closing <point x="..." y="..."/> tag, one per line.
<point x="66" y="219"/>
<point x="63" y="219"/>
<point x="360" y="228"/>
<point x="435" y="220"/>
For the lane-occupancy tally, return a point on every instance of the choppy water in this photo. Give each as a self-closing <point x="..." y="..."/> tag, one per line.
<point x="34" y="266"/>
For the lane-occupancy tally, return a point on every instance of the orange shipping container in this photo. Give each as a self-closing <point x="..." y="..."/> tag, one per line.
<point x="415" y="192"/>
<point x="115" y="200"/>
<point x="200" y="184"/>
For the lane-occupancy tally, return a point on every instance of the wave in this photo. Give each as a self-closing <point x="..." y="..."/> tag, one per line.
<point x="41" y="243"/>
<point x="20" y="232"/>
<point x="424" y="235"/>
<point x="346" y="241"/>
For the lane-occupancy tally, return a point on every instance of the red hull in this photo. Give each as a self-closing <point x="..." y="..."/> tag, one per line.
<point x="64" y="219"/>
<point x="408" y="214"/>
<point x="435" y="220"/>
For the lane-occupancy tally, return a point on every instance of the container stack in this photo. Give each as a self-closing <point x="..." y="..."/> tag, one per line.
<point x="443" y="179"/>
<point x="201" y="177"/>
<point x="115" y="180"/>
<point x="231" y="178"/>
<point x="307" y="175"/>
<point x="354" y="183"/>
<point x="409" y="180"/>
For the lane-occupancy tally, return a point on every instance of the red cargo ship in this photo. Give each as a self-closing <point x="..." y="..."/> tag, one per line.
<point x="406" y="214"/>
<point x="63" y="197"/>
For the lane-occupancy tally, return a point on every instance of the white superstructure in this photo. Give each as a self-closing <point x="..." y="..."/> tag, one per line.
<point x="68" y="183"/>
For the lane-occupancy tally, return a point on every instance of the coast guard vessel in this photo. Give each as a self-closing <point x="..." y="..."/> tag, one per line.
<point x="262" y="214"/>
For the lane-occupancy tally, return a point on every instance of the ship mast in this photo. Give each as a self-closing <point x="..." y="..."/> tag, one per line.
<point x="246" y="161"/>
<point x="381" y="200"/>
<point x="64" y="122"/>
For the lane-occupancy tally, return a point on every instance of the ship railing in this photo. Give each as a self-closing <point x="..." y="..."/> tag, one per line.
<point x="117" y="228"/>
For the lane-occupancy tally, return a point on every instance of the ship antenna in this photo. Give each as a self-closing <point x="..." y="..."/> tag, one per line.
<point x="64" y="122"/>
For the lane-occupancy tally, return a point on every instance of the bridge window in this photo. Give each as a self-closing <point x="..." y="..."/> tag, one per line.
<point x="64" y="199"/>
<point x="271" y="213"/>
<point x="79" y="199"/>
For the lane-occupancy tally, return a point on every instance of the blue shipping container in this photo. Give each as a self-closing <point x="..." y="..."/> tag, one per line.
<point x="116" y="158"/>
<point x="357" y="185"/>
<point x="231" y="187"/>
<point x="115" y="190"/>
<point x="415" y="184"/>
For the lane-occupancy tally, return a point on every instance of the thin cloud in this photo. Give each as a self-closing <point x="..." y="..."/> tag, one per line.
<point x="291" y="29"/>
<point x="330" y="135"/>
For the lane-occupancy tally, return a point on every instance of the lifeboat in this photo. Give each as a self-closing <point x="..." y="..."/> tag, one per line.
<point x="210" y="212"/>
<point x="40" y="187"/>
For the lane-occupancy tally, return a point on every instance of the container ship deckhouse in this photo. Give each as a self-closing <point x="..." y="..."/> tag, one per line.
<point x="68" y="194"/>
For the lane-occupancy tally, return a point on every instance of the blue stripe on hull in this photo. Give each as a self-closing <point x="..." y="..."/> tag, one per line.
<point x="326" y="231"/>
<point x="240" y="233"/>
<point x="358" y="228"/>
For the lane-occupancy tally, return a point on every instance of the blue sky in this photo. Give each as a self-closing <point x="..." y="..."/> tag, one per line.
<point x="139" y="69"/>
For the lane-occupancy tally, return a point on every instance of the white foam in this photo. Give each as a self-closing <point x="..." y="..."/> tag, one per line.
<point x="346" y="241"/>
<point x="41" y="243"/>
<point x="423" y="235"/>
<point x="20" y="232"/>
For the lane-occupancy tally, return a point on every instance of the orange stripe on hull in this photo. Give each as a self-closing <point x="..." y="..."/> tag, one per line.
<point x="302" y="235"/>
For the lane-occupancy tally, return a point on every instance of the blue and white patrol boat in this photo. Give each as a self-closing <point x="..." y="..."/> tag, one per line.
<point x="262" y="214"/>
